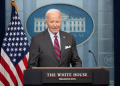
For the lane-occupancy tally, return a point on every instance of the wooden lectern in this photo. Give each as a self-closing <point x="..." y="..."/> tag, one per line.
<point x="62" y="76"/>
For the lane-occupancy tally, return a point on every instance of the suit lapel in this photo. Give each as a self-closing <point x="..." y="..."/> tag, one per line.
<point x="63" y="43"/>
<point x="48" y="41"/>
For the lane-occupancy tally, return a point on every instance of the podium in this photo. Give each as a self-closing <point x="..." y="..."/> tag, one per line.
<point x="62" y="76"/>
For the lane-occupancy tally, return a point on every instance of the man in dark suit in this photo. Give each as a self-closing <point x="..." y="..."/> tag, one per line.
<point x="54" y="47"/>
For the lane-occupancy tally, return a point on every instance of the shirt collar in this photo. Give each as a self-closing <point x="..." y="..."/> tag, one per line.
<point x="52" y="35"/>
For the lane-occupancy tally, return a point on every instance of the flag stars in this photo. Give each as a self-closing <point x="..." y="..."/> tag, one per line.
<point x="8" y="44"/>
<point x="18" y="33"/>
<point x="20" y="49"/>
<point x="5" y="39"/>
<point x="11" y="55"/>
<point x="13" y="39"/>
<point x="6" y="34"/>
<point x="15" y="17"/>
<point x="22" y="33"/>
<point x="16" y="49"/>
<point x="12" y="23"/>
<point x="4" y="44"/>
<point x="12" y="49"/>
<point x="14" y="60"/>
<point x="11" y="28"/>
<point x="18" y="23"/>
<point x="20" y="44"/>
<point x="8" y="28"/>
<point x="10" y="34"/>
<point x="18" y="28"/>
<point x="12" y="44"/>
<point x="14" y="33"/>
<point x="25" y="38"/>
<point x="15" y="28"/>
<point x="18" y="17"/>
<point x="17" y="39"/>
<point x="15" y="12"/>
<point x="16" y="44"/>
<point x="24" y="49"/>
<point x="7" y="49"/>
<point x="21" y="28"/>
<point x="15" y="54"/>
<point x="21" y="38"/>
<point x="9" y="39"/>
<point x="15" y="23"/>
<point x="25" y="43"/>
<point x="19" y="54"/>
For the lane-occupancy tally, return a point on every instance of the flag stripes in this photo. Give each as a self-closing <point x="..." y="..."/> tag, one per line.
<point x="2" y="80"/>
<point x="6" y="70"/>
<point x="19" y="73"/>
<point x="25" y="62"/>
<point x="6" y="66"/>
<point x="6" y="77"/>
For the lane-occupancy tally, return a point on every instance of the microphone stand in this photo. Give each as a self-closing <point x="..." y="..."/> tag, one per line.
<point x="94" y="57"/>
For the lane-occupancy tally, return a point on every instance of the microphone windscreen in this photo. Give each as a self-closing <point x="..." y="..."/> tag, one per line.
<point x="89" y="50"/>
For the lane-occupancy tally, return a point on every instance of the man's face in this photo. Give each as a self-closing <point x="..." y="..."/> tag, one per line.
<point x="53" y="22"/>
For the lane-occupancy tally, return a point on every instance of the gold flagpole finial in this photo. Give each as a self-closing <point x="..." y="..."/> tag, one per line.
<point x="13" y="4"/>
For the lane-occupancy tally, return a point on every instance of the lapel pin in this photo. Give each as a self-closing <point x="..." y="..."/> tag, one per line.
<point x="63" y="36"/>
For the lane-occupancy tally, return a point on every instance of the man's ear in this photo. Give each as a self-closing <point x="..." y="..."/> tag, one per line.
<point x="46" y="22"/>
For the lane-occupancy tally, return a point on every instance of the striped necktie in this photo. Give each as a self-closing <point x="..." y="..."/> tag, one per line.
<point x="57" y="48"/>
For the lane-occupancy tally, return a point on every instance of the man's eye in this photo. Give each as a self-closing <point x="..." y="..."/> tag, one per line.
<point x="57" y="21"/>
<point x="51" y="21"/>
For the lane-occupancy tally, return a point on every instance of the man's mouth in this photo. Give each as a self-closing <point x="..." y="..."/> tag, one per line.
<point x="54" y="28"/>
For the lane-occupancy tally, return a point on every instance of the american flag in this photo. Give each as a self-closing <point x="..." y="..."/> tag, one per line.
<point x="14" y="52"/>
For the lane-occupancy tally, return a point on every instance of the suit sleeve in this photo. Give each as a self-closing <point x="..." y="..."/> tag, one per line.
<point x="76" y="61"/>
<point x="34" y="52"/>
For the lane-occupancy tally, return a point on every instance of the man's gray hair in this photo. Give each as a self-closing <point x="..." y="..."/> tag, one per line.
<point x="52" y="11"/>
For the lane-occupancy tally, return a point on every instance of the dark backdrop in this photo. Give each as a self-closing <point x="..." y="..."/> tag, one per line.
<point x="117" y="41"/>
<point x="2" y="21"/>
<point x="116" y="35"/>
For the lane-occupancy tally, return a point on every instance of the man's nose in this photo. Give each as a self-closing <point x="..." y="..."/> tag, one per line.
<point x="54" y="24"/>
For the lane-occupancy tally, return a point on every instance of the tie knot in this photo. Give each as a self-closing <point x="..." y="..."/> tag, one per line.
<point x="55" y="36"/>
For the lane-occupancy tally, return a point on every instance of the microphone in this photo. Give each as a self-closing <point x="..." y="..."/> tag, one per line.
<point x="94" y="57"/>
<point x="38" y="56"/>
